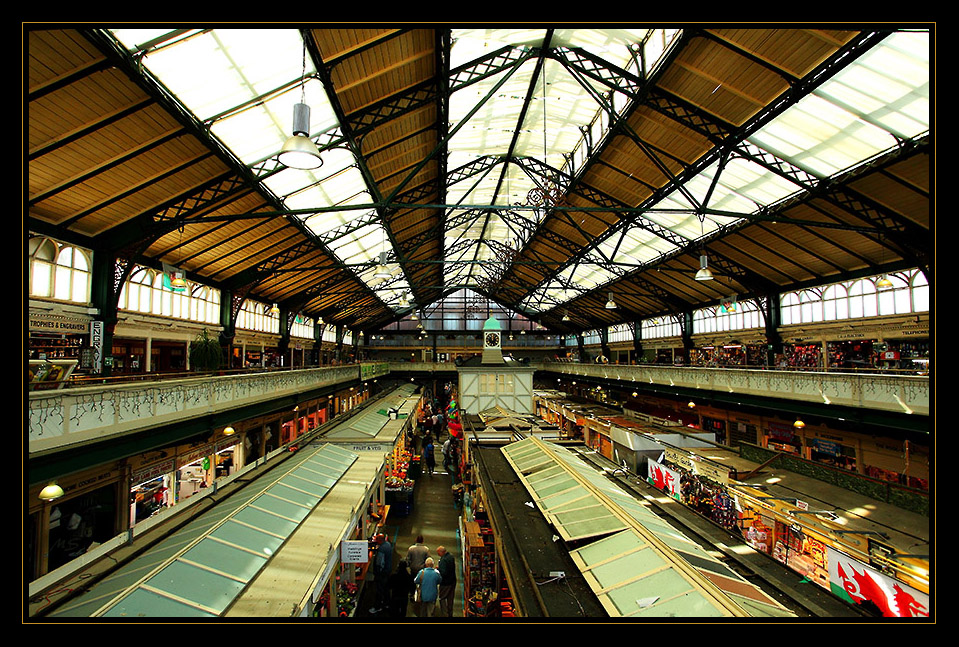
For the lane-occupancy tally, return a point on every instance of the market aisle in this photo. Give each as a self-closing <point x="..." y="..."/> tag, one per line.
<point x="436" y="518"/>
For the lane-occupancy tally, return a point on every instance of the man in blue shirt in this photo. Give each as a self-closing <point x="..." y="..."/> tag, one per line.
<point x="428" y="581"/>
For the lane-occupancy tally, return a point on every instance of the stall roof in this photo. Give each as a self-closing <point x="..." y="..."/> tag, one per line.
<point x="636" y="563"/>
<point x="200" y="570"/>
<point x="374" y="421"/>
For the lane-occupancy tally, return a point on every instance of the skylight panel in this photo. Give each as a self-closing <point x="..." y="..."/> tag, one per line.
<point x="838" y="128"/>
<point x="471" y="44"/>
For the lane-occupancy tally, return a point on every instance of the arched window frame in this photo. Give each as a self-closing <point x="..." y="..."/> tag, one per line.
<point x="59" y="271"/>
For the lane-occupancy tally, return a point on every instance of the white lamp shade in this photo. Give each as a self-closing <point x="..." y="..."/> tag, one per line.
<point x="299" y="151"/>
<point x="51" y="492"/>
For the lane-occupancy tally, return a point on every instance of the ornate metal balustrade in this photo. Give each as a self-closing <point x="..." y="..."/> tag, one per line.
<point x="58" y="419"/>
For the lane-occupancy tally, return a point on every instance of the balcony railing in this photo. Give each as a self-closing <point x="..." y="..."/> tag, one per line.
<point x="60" y="418"/>
<point x="902" y="393"/>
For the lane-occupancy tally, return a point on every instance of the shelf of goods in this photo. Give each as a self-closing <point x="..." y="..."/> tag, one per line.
<point x="399" y="484"/>
<point x="481" y="594"/>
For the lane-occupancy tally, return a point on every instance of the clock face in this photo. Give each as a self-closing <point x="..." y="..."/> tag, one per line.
<point x="492" y="339"/>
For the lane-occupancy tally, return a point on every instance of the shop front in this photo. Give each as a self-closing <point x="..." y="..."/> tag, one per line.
<point x="782" y="437"/>
<point x="806" y="548"/>
<point x="87" y="514"/>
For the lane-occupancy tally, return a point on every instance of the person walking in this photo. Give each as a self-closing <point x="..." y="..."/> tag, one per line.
<point x="428" y="581"/>
<point x="429" y="458"/>
<point x="416" y="555"/>
<point x="446" y="455"/>
<point x="447" y="588"/>
<point x="382" y="566"/>
<point x="401" y="590"/>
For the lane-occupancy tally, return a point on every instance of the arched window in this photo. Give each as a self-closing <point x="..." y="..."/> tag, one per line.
<point x="857" y="299"/>
<point x="137" y="292"/>
<point x="149" y="291"/>
<point x="302" y="327"/>
<point x="59" y="271"/>
<point x="661" y="327"/>
<point x="731" y="315"/>
<point x="258" y="316"/>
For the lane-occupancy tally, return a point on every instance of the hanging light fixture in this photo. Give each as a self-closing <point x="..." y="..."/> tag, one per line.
<point x="382" y="271"/>
<point x="274" y="310"/>
<point x="299" y="151"/>
<point x="704" y="274"/>
<point x="799" y="424"/>
<point x="692" y="405"/>
<point x="883" y="283"/>
<point x="51" y="492"/>
<point x="566" y="315"/>
<point x="228" y="431"/>
<point x="610" y="305"/>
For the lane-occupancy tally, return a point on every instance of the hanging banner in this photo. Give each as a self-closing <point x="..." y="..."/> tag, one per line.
<point x="662" y="478"/>
<point x="96" y="344"/>
<point x="860" y="584"/>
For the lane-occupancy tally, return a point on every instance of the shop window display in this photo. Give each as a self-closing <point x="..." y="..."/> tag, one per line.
<point x="81" y="523"/>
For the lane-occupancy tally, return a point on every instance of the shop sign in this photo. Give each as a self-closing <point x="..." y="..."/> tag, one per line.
<point x="781" y="431"/>
<point x="150" y="472"/>
<point x="59" y="325"/>
<point x="662" y="478"/>
<point x="856" y="583"/>
<point x="695" y="465"/>
<point x="826" y="447"/>
<point x="96" y="343"/>
<point x="194" y="455"/>
<point x="225" y="443"/>
<point x="354" y="552"/>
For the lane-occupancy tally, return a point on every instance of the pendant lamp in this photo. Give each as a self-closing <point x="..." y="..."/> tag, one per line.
<point x="299" y="151"/>
<point x="382" y="271"/>
<point x="704" y="274"/>
<point x="610" y="305"/>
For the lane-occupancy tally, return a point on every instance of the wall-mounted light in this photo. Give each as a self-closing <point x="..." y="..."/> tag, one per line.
<point x="51" y="492"/>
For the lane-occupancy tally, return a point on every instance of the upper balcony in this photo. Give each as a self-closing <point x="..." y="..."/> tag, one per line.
<point x="889" y="392"/>
<point x="59" y="419"/>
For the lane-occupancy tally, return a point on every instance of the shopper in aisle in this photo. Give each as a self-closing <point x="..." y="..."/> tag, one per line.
<point x="382" y="566"/>
<point x="446" y="455"/>
<point x="401" y="590"/>
<point x="428" y="582"/>
<point x="429" y="457"/>
<point x="447" y="589"/>
<point x="417" y="555"/>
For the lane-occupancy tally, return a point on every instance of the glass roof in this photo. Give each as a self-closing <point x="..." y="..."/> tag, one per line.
<point x="208" y="571"/>
<point x="638" y="565"/>
<point x="243" y="84"/>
